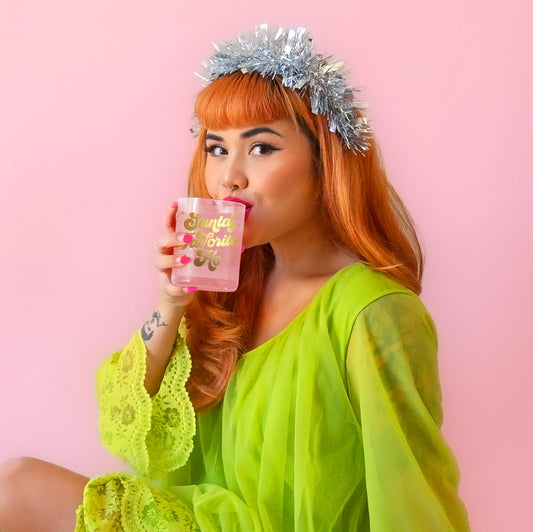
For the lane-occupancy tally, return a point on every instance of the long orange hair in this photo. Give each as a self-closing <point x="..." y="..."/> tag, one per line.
<point x="361" y="209"/>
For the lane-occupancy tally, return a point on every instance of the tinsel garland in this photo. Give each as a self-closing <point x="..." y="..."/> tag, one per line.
<point x="289" y="54"/>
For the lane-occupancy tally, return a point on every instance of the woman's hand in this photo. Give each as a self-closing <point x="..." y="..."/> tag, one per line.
<point x="166" y="261"/>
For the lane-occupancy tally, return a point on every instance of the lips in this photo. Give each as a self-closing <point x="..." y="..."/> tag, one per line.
<point x="247" y="205"/>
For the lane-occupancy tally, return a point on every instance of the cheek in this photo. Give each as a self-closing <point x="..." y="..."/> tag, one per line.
<point x="210" y="190"/>
<point x="210" y="182"/>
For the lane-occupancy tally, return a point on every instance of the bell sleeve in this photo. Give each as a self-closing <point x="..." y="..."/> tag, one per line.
<point x="153" y="434"/>
<point x="411" y="475"/>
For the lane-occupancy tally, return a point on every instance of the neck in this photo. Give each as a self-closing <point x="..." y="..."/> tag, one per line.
<point x="310" y="253"/>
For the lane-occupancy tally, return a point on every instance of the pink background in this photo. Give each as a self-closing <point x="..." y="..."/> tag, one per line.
<point x="94" y="114"/>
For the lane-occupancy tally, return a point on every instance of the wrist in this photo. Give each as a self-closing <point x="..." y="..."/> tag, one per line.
<point x="172" y="311"/>
<point x="174" y="304"/>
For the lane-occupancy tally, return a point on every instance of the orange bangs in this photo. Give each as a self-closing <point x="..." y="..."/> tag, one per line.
<point x="238" y="100"/>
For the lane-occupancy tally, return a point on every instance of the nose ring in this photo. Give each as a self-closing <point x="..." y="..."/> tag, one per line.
<point x="233" y="188"/>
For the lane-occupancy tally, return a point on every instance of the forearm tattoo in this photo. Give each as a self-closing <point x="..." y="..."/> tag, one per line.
<point x="148" y="329"/>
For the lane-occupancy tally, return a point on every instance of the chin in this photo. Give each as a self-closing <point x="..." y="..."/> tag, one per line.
<point x="249" y="241"/>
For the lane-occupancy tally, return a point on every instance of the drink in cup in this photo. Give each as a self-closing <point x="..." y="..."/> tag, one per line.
<point x="216" y="228"/>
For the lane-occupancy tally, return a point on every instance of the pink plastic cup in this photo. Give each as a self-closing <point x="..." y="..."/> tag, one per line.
<point x="216" y="228"/>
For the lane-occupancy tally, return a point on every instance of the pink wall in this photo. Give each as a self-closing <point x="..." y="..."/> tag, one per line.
<point x="94" y="144"/>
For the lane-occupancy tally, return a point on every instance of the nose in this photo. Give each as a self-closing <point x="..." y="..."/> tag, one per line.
<point x="234" y="175"/>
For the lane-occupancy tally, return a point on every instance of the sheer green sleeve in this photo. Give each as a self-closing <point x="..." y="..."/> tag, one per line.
<point x="154" y="435"/>
<point x="411" y="475"/>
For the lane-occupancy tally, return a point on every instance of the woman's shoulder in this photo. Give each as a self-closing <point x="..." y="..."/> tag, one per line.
<point x="358" y="285"/>
<point x="357" y="288"/>
<point x="358" y="294"/>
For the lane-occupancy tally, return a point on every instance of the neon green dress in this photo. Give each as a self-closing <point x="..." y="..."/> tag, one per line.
<point x="332" y="425"/>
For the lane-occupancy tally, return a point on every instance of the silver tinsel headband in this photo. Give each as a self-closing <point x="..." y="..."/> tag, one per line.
<point x="289" y="54"/>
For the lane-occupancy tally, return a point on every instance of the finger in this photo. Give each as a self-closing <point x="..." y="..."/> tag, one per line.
<point x="171" y="216"/>
<point x="166" y="244"/>
<point x="169" y="288"/>
<point x="170" y="240"/>
<point x="168" y="262"/>
<point x="183" y="293"/>
<point x="188" y="289"/>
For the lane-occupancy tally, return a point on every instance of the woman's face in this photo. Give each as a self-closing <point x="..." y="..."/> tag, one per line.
<point x="270" y="168"/>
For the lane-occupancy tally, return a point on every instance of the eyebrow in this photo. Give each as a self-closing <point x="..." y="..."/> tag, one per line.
<point x="245" y="134"/>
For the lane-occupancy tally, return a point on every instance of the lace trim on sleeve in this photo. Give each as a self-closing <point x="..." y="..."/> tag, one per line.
<point x="155" y="435"/>
<point x="170" y="439"/>
<point x="119" y="502"/>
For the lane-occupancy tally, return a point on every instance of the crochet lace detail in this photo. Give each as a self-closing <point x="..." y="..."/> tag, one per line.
<point x="155" y="435"/>
<point x="120" y="502"/>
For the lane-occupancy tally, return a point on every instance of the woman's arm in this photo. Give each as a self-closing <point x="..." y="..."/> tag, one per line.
<point x="141" y="388"/>
<point x="159" y="335"/>
<point x="411" y="475"/>
<point x="160" y="331"/>
<point x="153" y="434"/>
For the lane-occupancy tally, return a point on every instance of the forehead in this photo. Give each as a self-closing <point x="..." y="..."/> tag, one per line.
<point x="280" y="128"/>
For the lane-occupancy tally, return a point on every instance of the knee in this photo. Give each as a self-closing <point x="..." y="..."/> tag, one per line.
<point x="38" y="495"/>
<point x="14" y="468"/>
<point x="12" y="475"/>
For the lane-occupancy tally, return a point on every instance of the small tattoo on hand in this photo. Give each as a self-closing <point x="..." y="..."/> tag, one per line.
<point x="148" y="329"/>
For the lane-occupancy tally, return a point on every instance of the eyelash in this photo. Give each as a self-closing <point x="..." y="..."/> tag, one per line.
<point x="210" y="148"/>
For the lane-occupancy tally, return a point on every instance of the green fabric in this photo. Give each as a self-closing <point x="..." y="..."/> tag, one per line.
<point x="332" y="425"/>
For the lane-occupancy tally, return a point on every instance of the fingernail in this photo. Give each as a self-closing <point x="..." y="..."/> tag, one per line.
<point x="183" y="259"/>
<point x="242" y="249"/>
<point x="191" y="289"/>
<point x="175" y="204"/>
<point x="187" y="238"/>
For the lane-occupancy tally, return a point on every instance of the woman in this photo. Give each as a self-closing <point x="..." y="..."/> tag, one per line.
<point x="309" y="398"/>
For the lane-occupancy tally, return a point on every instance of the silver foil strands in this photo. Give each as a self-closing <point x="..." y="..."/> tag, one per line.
<point x="289" y="54"/>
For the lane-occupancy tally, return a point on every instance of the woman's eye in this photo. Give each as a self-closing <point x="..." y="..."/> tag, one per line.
<point x="262" y="149"/>
<point x="215" y="150"/>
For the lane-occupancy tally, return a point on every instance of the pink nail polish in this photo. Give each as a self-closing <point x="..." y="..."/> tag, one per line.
<point x="242" y="249"/>
<point x="184" y="259"/>
<point x="187" y="239"/>
<point x="175" y="204"/>
<point x="191" y="289"/>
